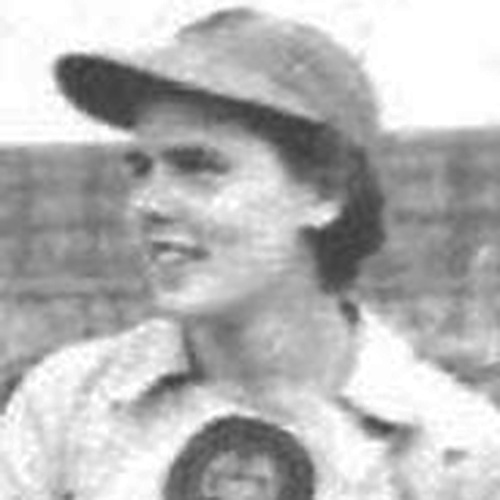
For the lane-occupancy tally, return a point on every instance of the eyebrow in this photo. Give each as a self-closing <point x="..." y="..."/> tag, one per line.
<point x="199" y="158"/>
<point x="183" y="151"/>
<point x="176" y="149"/>
<point x="200" y="154"/>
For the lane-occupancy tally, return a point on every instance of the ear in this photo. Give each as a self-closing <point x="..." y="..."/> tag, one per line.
<point x="324" y="213"/>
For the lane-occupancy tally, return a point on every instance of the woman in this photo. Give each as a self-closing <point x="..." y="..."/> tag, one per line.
<point x="254" y="203"/>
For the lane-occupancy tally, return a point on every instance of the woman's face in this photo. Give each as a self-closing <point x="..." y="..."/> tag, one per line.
<point x="216" y="212"/>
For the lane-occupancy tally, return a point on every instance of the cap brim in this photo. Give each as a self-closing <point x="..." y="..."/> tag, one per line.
<point x="113" y="90"/>
<point x="107" y="89"/>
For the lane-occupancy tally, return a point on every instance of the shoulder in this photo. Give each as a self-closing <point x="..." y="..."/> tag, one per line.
<point x="402" y="386"/>
<point x="56" y="382"/>
<point x="71" y="373"/>
<point x="454" y="429"/>
<point x="42" y="419"/>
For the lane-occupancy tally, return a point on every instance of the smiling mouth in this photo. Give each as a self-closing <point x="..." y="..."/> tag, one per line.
<point x="166" y="251"/>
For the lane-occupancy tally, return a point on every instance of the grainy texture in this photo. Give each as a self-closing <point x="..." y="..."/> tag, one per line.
<point x="67" y="270"/>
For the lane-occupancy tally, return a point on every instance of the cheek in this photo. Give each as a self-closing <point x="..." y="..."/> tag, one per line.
<point x="260" y="219"/>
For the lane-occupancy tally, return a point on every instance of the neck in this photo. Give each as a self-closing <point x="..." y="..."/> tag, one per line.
<point x="299" y="336"/>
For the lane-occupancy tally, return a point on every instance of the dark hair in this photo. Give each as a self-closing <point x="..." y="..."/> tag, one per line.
<point x="323" y="158"/>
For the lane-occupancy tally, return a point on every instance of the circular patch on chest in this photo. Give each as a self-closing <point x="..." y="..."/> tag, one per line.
<point x="239" y="458"/>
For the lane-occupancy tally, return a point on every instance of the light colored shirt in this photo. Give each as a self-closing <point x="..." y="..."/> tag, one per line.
<point x="107" y="419"/>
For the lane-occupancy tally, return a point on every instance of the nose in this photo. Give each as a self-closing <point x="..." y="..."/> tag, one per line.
<point x="158" y="198"/>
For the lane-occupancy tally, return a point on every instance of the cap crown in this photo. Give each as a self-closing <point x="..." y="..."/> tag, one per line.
<point x="245" y="55"/>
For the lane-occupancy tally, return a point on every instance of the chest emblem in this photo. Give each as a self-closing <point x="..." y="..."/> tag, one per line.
<point x="240" y="458"/>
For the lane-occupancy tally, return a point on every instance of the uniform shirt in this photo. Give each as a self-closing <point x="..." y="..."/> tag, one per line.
<point x="107" y="420"/>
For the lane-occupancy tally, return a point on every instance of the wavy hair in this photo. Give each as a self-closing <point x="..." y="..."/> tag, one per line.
<point x="324" y="159"/>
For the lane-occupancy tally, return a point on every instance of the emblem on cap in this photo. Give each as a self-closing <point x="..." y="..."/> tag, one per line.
<point x="240" y="458"/>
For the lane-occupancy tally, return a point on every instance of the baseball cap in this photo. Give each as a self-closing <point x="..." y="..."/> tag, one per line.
<point x="241" y="55"/>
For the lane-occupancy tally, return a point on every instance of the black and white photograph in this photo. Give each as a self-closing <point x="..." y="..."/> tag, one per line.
<point x="250" y="250"/>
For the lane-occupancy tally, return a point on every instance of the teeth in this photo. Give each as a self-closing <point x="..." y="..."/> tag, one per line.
<point x="169" y="245"/>
<point x="165" y="247"/>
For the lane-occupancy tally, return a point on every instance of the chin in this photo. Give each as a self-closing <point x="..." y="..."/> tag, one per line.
<point x="187" y="304"/>
<point x="207" y="303"/>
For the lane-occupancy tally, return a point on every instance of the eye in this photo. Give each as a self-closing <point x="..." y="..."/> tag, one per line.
<point x="138" y="164"/>
<point x="197" y="161"/>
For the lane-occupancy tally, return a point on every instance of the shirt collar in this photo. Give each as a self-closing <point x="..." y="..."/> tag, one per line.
<point x="385" y="378"/>
<point x="391" y="383"/>
<point x="382" y="384"/>
<point x="153" y="351"/>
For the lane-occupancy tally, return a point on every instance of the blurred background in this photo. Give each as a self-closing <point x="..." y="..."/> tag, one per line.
<point x="66" y="268"/>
